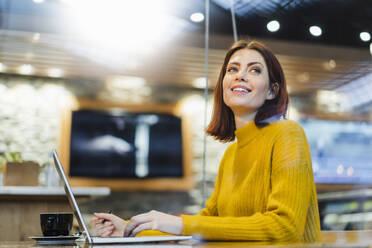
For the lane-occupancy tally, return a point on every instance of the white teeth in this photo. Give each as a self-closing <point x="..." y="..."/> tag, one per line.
<point x="240" y="89"/>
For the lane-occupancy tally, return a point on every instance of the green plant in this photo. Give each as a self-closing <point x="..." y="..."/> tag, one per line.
<point x="10" y="157"/>
<point x="2" y="163"/>
<point x="13" y="157"/>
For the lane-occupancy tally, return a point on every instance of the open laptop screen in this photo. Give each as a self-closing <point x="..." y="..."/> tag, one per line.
<point x="70" y="196"/>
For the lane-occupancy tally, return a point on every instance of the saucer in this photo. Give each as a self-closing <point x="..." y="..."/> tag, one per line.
<point x="55" y="239"/>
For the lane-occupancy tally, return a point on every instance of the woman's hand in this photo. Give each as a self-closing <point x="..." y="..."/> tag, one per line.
<point x="154" y="220"/>
<point x="109" y="225"/>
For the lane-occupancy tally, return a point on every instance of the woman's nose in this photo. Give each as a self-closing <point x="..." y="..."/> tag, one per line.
<point x="242" y="76"/>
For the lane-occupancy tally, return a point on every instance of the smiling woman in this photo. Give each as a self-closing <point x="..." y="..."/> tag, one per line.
<point x="254" y="62"/>
<point x="246" y="83"/>
<point x="265" y="189"/>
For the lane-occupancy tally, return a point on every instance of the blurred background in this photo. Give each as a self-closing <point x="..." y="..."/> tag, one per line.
<point x="75" y="71"/>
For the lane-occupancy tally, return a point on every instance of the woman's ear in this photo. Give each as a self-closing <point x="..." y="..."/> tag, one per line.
<point x="273" y="92"/>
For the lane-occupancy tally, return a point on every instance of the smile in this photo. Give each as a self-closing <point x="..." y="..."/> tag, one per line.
<point x="241" y="89"/>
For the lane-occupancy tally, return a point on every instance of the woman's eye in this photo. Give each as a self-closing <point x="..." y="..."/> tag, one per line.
<point x="232" y="69"/>
<point x="256" y="70"/>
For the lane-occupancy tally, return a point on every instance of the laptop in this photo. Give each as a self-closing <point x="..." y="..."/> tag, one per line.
<point x="100" y="240"/>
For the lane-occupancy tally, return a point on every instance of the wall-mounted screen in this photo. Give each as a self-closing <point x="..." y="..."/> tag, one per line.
<point x="341" y="151"/>
<point x="111" y="144"/>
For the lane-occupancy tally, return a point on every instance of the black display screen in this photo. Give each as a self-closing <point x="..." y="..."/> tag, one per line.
<point x="108" y="144"/>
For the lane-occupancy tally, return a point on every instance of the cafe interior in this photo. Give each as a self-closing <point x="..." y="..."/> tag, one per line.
<point x="123" y="90"/>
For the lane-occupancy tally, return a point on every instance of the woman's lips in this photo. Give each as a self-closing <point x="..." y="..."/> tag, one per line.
<point x="240" y="88"/>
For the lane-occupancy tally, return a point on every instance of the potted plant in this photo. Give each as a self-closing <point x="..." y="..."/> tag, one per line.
<point x="18" y="172"/>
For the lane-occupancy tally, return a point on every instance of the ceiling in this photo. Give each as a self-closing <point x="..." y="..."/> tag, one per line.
<point x="341" y="20"/>
<point x="335" y="59"/>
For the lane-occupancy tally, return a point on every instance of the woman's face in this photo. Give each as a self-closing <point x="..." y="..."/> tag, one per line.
<point x="246" y="82"/>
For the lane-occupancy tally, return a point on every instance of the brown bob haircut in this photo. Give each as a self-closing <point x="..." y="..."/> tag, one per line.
<point x="222" y="125"/>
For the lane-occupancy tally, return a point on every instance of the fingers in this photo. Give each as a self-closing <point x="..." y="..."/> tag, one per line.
<point x="135" y="222"/>
<point x="106" y="232"/>
<point x="106" y="229"/>
<point x="105" y="216"/>
<point x="105" y="225"/>
<point x="96" y="221"/>
<point x="140" y="228"/>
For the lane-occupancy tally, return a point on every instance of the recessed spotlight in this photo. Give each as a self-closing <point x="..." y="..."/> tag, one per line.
<point x="55" y="72"/>
<point x="38" y="1"/>
<point x="315" y="31"/>
<point x="197" y="17"/>
<point x="273" y="26"/>
<point x="365" y="36"/>
<point x="26" y="69"/>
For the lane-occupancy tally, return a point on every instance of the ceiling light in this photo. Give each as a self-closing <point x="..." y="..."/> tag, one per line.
<point x="126" y="83"/>
<point x="197" y="17"/>
<point x="36" y="37"/>
<point x="102" y="33"/>
<point x="2" y="67"/>
<point x="330" y="65"/>
<point x="370" y="48"/>
<point x="365" y="36"/>
<point x="199" y="83"/>
<point x="303" y="77"/>
<point x="26" y="69"/>
<point x="38" y="1"/>
<point x="315" y="31"/>
<point x="331" y="101"/>
<point x="273" y="26"/>
<point x="190" y="105"/>
<point x="55" y="72"/>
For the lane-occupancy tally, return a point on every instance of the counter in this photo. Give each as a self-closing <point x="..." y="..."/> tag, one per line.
<point x="7" y="191"/>
<point x="346" y="210"/>
<point x="20" y="207"/>
<point x="349" y="239"/>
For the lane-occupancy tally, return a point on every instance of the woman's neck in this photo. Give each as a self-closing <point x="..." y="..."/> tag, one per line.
<point x="243" y="119"/>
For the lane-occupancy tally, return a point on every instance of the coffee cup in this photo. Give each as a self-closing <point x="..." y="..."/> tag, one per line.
<point x="56" y="224"/>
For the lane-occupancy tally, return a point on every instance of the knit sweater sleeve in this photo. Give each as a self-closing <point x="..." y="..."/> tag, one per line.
<point x="211" y="204"/>
<point x="286" y="210"/>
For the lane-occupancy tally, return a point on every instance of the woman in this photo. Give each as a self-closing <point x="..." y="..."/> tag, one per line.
<point x="265" y="189"/>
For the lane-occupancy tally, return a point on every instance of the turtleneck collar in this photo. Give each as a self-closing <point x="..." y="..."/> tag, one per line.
<point x="246" y="133"/>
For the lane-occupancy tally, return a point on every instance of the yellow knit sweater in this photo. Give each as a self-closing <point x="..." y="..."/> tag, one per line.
<point x="264" y="191"/>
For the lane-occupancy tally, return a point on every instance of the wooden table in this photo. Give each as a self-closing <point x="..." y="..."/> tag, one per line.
<point x="347" y="239"/>
<point x="20" y="207"/>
